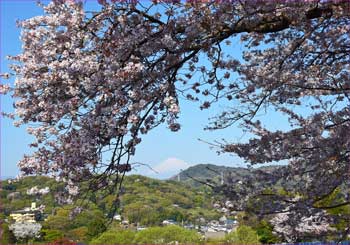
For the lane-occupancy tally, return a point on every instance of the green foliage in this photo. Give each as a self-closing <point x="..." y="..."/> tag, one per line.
<point x="262" y="227"/>
<point x="59" y="221"/>
<point x="243" y="235"/>
<point x="7" y="236"/>
<point x="264" y="231"/>
<point x="79" y="234"/>
<point x="51" y="235"/>
<point x="149" y="202"/>
<point x="167" y="234"/>
<point x="247" y="219"/>
<point x="14" y="195"/>
<point x="215" y="241"/>
<point x="83" y="227"/>
<point x="96" y="226"/>
<point x="146" y="201"/>
<point x="115" y="237"/>
<point x="341" y="213"/>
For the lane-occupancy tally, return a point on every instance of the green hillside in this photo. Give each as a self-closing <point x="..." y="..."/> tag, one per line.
<point x="145" y="202"/>
<point x="193" y="176"/>
<point x="14" y="195"/>
<point x="150" y="201"/>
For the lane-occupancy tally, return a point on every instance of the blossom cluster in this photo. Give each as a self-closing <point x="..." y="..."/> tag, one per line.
<point x="25" y="230"/>
<point x="313" y="225"/>
<point x="90" y="84"/>
<point x="36" y="191"/>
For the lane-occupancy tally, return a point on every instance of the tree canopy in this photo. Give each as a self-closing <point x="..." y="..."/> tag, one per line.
<point x="243" y="235"/>
<point x="95" y="82"/>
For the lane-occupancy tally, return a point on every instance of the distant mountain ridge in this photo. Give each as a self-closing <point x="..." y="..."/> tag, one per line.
<point x="215" y="173"/>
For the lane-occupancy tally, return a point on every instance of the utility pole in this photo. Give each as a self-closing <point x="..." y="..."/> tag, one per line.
<point x="222" y="178"/>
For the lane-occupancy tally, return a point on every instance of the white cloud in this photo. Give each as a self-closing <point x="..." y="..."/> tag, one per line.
<point x="169" y="167"/>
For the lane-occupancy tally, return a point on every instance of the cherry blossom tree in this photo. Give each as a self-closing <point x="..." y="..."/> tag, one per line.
<point x="26" y="230"/>
<point x="292" y="227"/>
<point x="93" y="82"/>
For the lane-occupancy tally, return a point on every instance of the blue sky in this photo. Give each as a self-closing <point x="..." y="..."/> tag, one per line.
<point x="165" y="151"/>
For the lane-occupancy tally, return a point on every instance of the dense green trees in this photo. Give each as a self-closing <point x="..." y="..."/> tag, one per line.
<point x="6" y="236"/>
<point x="152" y="235"/>
<point x="243" y="235"/>
<point x="14" y="194"/>
<point x="264" y="231"/>
<point x="115" y="237"/>
<point x="96" y="226"/>
<point x="167" y="234"/>
<point x="51" y="235"/>
<point x="83" y="227"/>
<point x="59" y="221"/>
<point x="146" y="202"/>
<point x="149" y="202"/>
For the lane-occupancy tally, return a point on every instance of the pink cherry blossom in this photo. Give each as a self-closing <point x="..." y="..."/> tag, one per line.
<point x="91" y="83"/>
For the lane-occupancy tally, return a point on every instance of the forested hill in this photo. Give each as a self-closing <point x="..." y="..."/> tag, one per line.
<point x="209" y="172"/>
<point x="146" y="201"/>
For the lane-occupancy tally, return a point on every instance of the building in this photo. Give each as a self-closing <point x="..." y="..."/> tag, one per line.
<point x="30" y="215"/>
<point x="23" y="216"/>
